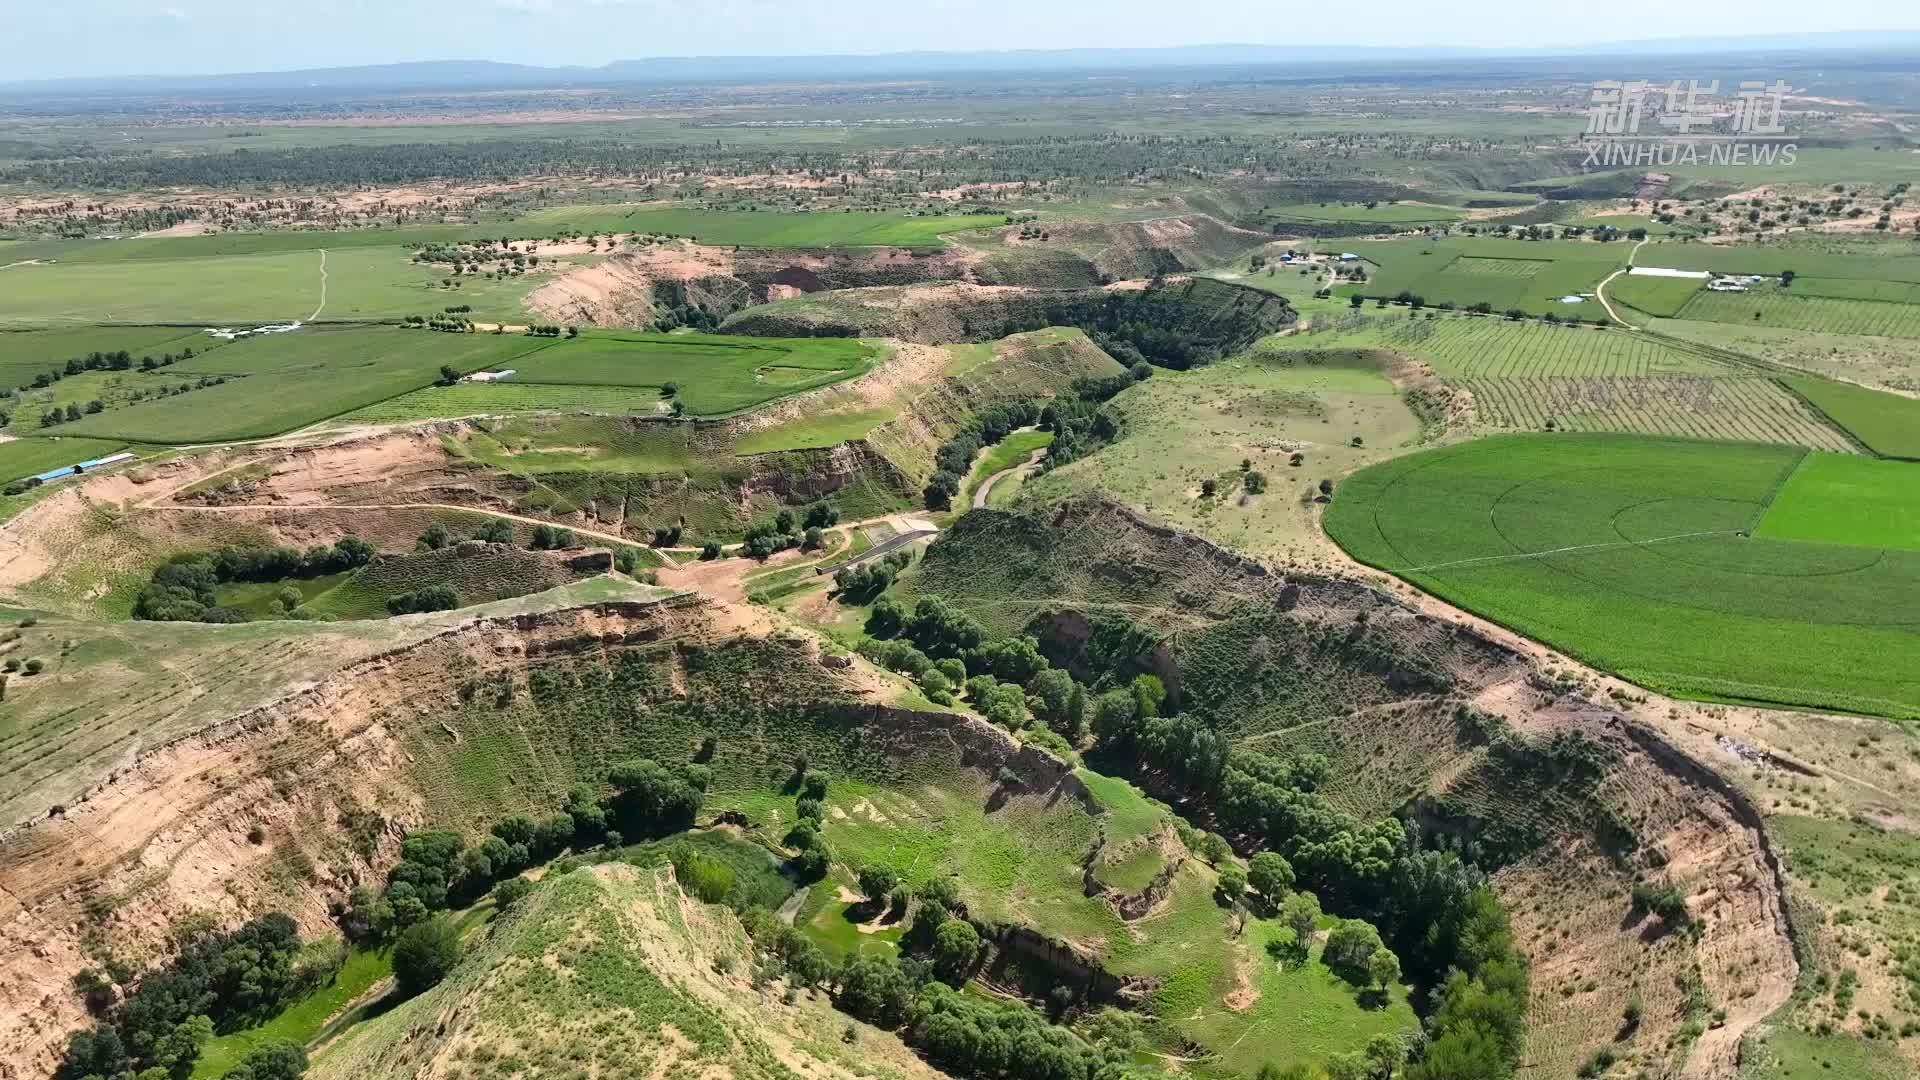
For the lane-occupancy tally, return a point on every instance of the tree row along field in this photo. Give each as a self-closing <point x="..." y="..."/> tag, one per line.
<point x="1632" y="554"/>
<point x="1732" y="409"/>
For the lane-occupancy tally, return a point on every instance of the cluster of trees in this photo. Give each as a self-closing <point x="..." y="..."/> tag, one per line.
<point x="438" y="870"/>
<point x="215" y="983"/>
<point x="431" y="598"/>
<point x="766" y="538"/>
<point x="186" y="589"/>
<point x="954" y="459"/>
<point x="552" y="538"/>
<point x="446" y="324"/>
<point x="860" y="584"/>
<point x="438" y="537"/>
<point x="553" y="331"/>
<point x="946" y="651"/>
<point x="1439" y="916"/>
<point x="116" y="360"/>
<point x="1078" y="424"/>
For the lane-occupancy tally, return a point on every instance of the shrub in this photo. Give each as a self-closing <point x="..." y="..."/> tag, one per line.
<point x="276" y="1060"/>
<point x="424" y="954"/>
<point x="510" y="892"/>
<point x="35" y="666"/>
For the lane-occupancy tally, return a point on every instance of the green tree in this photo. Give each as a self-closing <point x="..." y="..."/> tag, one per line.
<point x="1149" y="695"/>
<point x="510" y="892"/>
<point x="1271" y="875"/>
<point x="279" y="1059"/>
<point x="877" y="883"/>
<point x="956" y="948"/>
<point x="1301" y="914"/>
<point x="1232" y="887"/>
<point x="1383" y="968"/>
<point x="1351" y="945"/>
<point x="424" y="954"/>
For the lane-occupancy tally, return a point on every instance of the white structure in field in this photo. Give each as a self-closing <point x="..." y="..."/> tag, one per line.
<point x="489" y="376"/>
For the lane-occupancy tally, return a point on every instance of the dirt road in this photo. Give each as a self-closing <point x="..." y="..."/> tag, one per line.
<point x="986" y="486"/>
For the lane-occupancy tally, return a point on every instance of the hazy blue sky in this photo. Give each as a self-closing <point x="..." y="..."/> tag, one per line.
<point x="49" y="38"/>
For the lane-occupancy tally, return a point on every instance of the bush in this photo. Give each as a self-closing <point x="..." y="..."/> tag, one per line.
<point x="276" y="1060"/>
<point x="35" y="666"/>
<point x="424" y="954"/>
<point x="1662" y="900"/>
<point x="510" y="892"/>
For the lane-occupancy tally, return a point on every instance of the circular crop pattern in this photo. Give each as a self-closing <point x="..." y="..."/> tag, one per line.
<point x="1663" y="560"/>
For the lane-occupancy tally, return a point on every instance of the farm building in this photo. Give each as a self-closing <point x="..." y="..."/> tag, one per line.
<point x="490" y="376"/>
<point x="83" y="467"/>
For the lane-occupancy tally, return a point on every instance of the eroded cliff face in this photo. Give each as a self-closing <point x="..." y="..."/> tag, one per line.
<point x="288" y="806"/>
<point x="250" y="814"/>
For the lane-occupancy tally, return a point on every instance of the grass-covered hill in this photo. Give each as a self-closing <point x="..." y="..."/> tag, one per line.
<point x="613" y="969"/>
<point x="1416" y="719"/>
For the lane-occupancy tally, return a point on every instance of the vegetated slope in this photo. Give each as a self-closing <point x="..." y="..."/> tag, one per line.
<point x="1639" y="556"/>
<point x="1177" y="324"/>
<point x="868" y="445"/>
<point x="1019" y="367"/>
<point x="285" y="806"/>
<point x="620" y="475"/>
<point x="1068" y="255"/>
<point x="614" y="966"/>
<point x="682" y="281"/>
<point x="1291" y="418"/>
<point x="1434" y="722"/>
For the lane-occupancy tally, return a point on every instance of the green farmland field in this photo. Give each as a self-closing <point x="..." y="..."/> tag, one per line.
<point x="362" y="283"/>
<point x="765" y="228"/>
<point x="1529" y="275"/>
<point x="26" y="353"/>
<point x="21" y="458"/>
<point x="1634" y="554"/>
<point x="1843" y="499"/>
<point x="1769" y="305"/>
<point x="715" y="375"/>
<point x="1773" y="260"/>
<point x="281" y="382"/>
<point x="1662" y="296"/>
<point x="1389" y="215"/>
<point x="1888" y="424"/>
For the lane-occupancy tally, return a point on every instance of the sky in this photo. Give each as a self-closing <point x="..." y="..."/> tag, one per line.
<point x="124" y="37"/>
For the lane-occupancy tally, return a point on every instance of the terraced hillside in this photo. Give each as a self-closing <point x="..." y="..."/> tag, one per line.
<point x="1569" y="802"/>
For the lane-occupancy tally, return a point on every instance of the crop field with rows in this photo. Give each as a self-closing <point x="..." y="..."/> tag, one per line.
<point x="1731" y="409"/>
<point x="1768" y="306"/>
<point x="1460" y="346"/>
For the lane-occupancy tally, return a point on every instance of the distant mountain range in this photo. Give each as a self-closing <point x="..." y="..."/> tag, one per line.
<point x="455" y="74"/>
